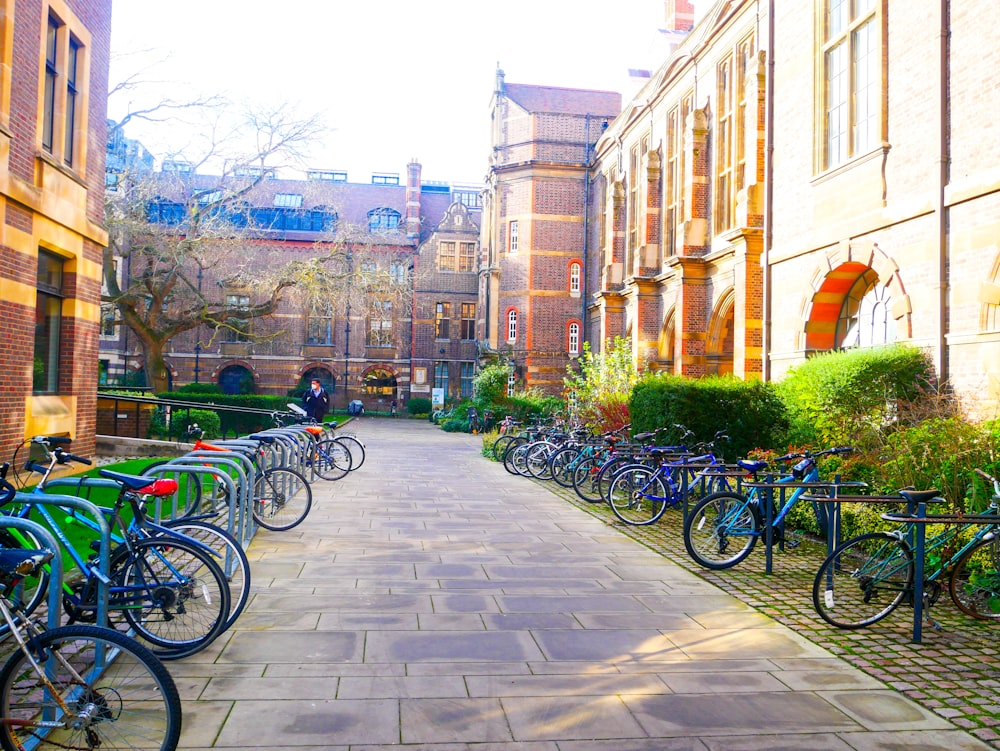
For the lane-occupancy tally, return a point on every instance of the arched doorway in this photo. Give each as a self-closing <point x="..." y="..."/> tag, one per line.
<point x="236" y="379"/>
<point x="719" y="347"/>
<point x="379" y="383"/>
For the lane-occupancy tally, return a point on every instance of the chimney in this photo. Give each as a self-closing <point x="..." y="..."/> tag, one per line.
<point x="413" y="200"/>
<point x="679" y="15"/>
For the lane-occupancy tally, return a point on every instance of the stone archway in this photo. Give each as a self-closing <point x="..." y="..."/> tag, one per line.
<point x="719" y="344"/>
<point x="833" y="280"/>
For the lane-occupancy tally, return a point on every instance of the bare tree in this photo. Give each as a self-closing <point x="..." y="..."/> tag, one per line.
<point x="170" y="231"/>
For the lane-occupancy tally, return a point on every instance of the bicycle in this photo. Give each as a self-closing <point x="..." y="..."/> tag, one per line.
<point x="79" y="687"/>
<point x="640" y="494"/>
<point x="723" y="528"/>
<point x="322" y="434"/>
<point x="866" y="578"/>
<point x="168" y="588"/>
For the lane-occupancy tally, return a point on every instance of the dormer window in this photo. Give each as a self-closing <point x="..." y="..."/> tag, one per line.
<point x="288" y="200"/>
<point x="383" y="219"/>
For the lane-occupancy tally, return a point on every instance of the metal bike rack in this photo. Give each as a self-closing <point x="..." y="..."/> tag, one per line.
<point x="104" y="551"/>
<point x="55" y="565"/>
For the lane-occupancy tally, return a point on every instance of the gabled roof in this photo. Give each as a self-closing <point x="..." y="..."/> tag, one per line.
<point x="554" y="100"/>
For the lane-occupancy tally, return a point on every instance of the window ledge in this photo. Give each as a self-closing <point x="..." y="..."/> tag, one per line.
<point x="876" y="153"/>
<point x="59" y="165"/>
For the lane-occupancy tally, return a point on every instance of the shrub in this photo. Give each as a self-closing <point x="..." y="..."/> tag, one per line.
<point x="489" y="439"/>
<point x="599" y="386"/>
<point x="455" y="425"/>
<point x="749" y="412"/>
<point x="199" y="388"/>
<point x="855" y="395"/>
<point x="418" y="405"/>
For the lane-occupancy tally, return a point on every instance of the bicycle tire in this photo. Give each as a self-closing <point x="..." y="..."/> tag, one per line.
<point x="585" y="481"/>
<point x="974" y="584"/>
<point x="562" y="464"/>
<point x="331" y="460"/>
<point x="513" y="458"/>
<point x="233" y="561"/>
<point x="177" y="617"/>
<point x="34" y="589"/>
<point x="503" y="443"/>
<point x="863" y="580"/>
<point x="536" y="460"/>
<point x="637" y="495"/>
<point x="281" y="499"/>
<point x="355" y="447"/>
<point x="607" y="474"/>
<point x="188" y="486"/>
<point x="133" y="702"/>
<point x="715" y="523"/>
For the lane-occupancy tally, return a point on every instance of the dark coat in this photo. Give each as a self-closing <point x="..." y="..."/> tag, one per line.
<point x="317" y="405"/>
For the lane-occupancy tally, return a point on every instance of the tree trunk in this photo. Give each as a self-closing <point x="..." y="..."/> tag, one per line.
<point x="157" y="375"/>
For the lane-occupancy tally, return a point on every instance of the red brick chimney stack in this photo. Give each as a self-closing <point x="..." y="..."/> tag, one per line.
<point x="679" y="15"/>
<point x="413" y="200"/>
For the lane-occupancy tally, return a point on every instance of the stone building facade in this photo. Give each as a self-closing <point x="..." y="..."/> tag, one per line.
<point x="53" y="100"/>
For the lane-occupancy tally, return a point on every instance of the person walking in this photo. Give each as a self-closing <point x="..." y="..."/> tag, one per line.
<point x="393" y="407"/>
<point x="316" y="401"/>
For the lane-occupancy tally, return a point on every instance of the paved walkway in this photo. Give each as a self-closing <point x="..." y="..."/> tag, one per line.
<point x="432" y="601"/>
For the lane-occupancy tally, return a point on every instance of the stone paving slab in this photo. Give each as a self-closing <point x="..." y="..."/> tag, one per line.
<point x="432" y="602"/>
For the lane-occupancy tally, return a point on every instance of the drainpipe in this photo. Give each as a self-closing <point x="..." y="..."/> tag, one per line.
<point x="941" y="182"/>
<point x="765" y="358"/>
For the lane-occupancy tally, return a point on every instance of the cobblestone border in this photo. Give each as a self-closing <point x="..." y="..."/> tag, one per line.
<point x="954" y="672"/>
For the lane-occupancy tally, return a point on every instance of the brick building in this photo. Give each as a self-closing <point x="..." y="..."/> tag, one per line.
<point x="406" y="245"/>
<point x="533" y="288"/>
<point x="785" y="183"/>
<point x="53" y="103"/>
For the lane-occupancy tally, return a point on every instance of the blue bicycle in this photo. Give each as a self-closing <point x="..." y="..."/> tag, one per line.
<point x="723" y="528"/>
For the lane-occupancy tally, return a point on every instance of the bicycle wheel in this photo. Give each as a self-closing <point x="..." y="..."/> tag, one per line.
<point x="281" y="499"/>
<point x="637" y="495"/>
<point x="721" y="530"/>
<point x="607" y="474"/>
<point x="331" y="460"/>
<point x="561" y="465"/>
<point x="536" y="460"/>
<point x="33" y="589"/>
<point x="175" y="596"/>
<point x="975" y="582"/>
<point x="131" y="704"/>
<point x="234" y="562"/>
<point x="585" y="480"/>
<point x="501" y="446"/>
<point x="355" y="447"/>
<point x="863" y="580"/>
<point x="514" y="458"/>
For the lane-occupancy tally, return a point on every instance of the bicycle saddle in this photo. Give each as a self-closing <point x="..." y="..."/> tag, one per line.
<point x="751" y="466"/>
<point x="262" y="437"/>
<point x="141" y="484"/>
<point x="919" y="496"/>
<point x="16" y="562"/>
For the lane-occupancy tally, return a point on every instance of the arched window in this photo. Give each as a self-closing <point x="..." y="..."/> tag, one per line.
<point x="575" y="277"/>
<point x="512" y="325"/>
<point x="865" y="319"/>
<point x="573" y="338"/>
<point x="383" y="219"/>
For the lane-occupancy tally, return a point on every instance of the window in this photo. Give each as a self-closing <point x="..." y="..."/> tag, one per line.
<point x="467" y="257"/>
<point x="573" y="339"/>
<point x="865" y="316"/>
<point x="575" y="276"/>
<point x="288" y="200"/>
<point x="380" y="324"/>
<point x="468" y="321"/>
<point x="470" y="198"/>
<point x="108" y="328"/>
<point x="442" y="318"/>
<point x="852" y="60"/>
<point x="385" y="178"/>
<point x="397" y="272"/>
<point x="383" y="220"/>
<point x="48" y="322"/>
<point x="672" y="189"/>
<point x="62" y="94"/>
<point x="512" y="325"/>
<point x="467" y="374"/>
<point x="441" y="376"/>
<point x="511" y="381"/>
<point x="512" y="239"/>
<point x="237" y="329"/>
<point x="724" y="138"/>
<point x="446" y="257"/>
<point x="319" y="323"/>
<point x="634" y="210"/>
<point x="330" y="176"/>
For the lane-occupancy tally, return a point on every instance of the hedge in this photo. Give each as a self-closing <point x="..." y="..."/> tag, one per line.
<point x="749" y="412"/>
<point x="235" y="423"/>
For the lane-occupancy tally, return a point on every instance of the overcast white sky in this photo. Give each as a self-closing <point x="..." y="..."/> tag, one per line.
<point x="393" y="79"/>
